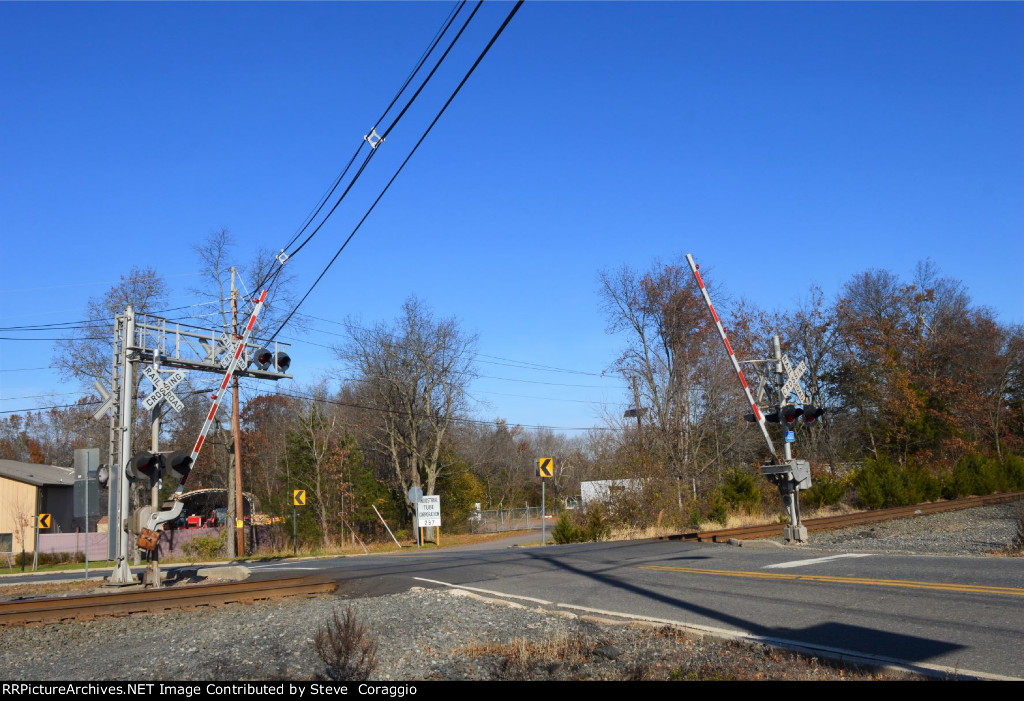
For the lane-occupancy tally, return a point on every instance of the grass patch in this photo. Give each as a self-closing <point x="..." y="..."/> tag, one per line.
<point x="58" y="566"/>
<point x="9" y="592"/>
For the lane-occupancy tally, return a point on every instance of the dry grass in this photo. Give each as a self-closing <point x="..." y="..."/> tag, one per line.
<point x="520" y="659"/>
<point x="9" y="592"/>
<point x="347" y="649"/>
<point x="388" y="546"/>
<point x="657" y="654"/>
<point x="1015" y="548"/>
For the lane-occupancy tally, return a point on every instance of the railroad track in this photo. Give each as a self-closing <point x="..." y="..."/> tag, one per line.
<point x="121" y="603"/>
<point x="830" y="523"/>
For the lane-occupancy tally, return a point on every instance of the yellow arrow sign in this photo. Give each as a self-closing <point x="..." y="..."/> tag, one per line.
<point x="299" y="497"/>
<point x="44" y="521"/>
<point x="545" y="467"/>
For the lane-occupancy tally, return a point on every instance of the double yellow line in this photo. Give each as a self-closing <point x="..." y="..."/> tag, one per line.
<point x="906" y="584"/>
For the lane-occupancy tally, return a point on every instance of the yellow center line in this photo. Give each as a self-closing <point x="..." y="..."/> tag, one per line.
<point x="970" y="588"/>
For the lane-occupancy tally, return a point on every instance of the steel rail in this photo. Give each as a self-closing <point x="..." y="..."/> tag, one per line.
<point x="89" y="606"/>
<point x="830" y="523"/>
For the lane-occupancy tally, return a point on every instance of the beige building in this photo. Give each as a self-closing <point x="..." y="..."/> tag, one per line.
<point x="27" y="490"/>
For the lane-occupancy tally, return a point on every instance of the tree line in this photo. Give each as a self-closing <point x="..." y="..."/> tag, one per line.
<point x="916" y="379"/>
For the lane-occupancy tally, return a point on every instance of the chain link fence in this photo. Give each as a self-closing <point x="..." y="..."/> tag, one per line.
<point x="498" y="520"/>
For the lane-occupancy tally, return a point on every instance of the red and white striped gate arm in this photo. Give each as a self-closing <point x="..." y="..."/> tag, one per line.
<point x="219" y="394"/>
<point x="732" y="356"/>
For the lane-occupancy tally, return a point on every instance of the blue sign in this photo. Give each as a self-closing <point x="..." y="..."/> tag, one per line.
<point x="790" y="437"/>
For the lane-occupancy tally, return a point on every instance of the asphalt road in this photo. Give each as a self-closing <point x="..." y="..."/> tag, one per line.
<point x="957" y="613"/>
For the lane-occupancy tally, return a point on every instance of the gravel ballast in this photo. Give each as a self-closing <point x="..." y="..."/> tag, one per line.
<point x="978" y="531"/>
<point x="426" y="634"/>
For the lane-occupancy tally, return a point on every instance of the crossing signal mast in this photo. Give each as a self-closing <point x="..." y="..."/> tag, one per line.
<point x="779" y="385"/>
<point x="150" y="340"/>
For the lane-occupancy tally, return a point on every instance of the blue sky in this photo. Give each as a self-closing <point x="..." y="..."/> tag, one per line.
<point x="782" y="144"/>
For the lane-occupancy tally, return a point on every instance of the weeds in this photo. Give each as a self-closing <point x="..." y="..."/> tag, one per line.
<point x="521" y="659"/>
<point x="581" y="526"/>
<point x="1016" y="547"/>
<point x="346" y="648"/>
<point x="205" y="547"/>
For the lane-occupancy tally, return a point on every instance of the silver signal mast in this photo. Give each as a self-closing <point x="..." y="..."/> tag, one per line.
<point x="790" y="476"/>
<point x="154" y="340"/>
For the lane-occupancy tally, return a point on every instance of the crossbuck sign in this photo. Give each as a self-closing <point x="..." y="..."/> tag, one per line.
<point x="163" y="389"/>
<point x="428" y="512"/>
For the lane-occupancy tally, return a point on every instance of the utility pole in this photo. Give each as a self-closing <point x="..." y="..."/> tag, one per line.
<point x="239" y="512"/>
<point x="639" y="428"/>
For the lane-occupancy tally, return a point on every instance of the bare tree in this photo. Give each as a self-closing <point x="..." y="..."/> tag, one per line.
<point x="415" y="372"/>
<point x="318" y="453"/>
<point x="682" y="378"/>
<point x="217" y="256"/>
<point x="84" y="355"/>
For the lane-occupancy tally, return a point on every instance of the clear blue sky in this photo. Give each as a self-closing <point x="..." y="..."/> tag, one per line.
<point x="782" y="144"/>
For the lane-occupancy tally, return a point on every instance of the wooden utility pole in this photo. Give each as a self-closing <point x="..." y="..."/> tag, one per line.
<point x="235" y="432"/>
<point x="639" y="427"/>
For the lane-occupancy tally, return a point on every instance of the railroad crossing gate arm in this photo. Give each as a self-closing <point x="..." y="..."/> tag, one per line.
<point x="219" y="394"/>
<point x="758" y="416"/>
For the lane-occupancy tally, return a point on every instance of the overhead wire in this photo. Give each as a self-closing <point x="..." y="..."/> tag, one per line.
<point x="451" y="98"/>
<point x="478" y="422"/>
<point x="388" y="130"/>
<point x="276" y="271"/>
<point x="419" y="64"/>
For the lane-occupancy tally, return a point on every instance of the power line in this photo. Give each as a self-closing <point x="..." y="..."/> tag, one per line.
<point x="545" y="399"/>
<point x="387" y="131"/>
<point x="478" y="422"/>
<point x="76" y="340"/>
<point x="46" y="408"/>
<point x="276" y="271"/>
<point x="525" y="364"/>
<point x="458" y="88"/>
<point x="327" y="195"/>
<point x="352" y="405"/>
<point x="39" y="396"/>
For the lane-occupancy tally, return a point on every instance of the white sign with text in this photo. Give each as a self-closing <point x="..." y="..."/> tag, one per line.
<point x="428" y="512"/>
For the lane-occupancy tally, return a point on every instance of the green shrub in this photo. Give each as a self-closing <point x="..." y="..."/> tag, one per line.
<point x="922" y="485"/>
<point x="205" y="547"/>
<point x="882" y="483"/>
<point x="741" y="491"/>
<point x="565" y="531"/>
<point x="46" y="558"/>
<point x="825" y="490"/>
<point x="596" y="526"/>
<point x="582" y="526"/>
<point x="1013" y="472"/>
<point x="719" y="512"/>
<point x="975" y="474"/>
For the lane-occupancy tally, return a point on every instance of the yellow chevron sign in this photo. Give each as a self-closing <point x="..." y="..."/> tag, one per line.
<point x="44" y="521"/>
<point x="545" y="467"/>
<point x="299" y="497"/>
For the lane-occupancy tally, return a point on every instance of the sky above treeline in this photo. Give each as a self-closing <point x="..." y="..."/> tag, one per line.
<point x="782" y="144"/>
